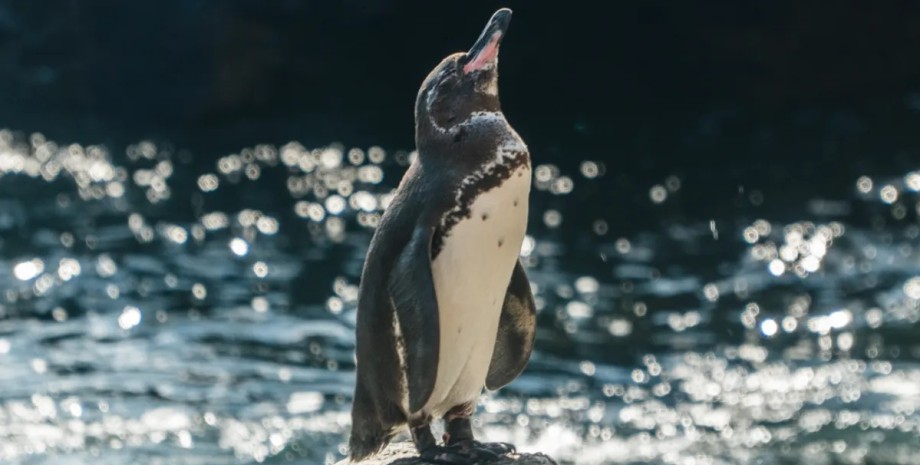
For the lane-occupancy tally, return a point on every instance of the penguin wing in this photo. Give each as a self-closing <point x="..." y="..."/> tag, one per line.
<point x="411" y="287"/>
<point x="516" y="330"/>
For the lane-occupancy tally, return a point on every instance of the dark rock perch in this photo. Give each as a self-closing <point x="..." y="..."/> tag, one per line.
<point x="404" y="453"/>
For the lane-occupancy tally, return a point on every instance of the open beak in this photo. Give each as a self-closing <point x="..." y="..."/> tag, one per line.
<point x="485" y="50"/>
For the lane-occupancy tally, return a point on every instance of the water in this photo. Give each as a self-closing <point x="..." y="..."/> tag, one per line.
<point x="156" y="312"/>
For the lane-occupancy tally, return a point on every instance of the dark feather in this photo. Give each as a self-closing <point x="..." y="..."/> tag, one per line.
<point x="411" y="286"/>
<point x="397" y="257"/>
<point x="516" y="330"/>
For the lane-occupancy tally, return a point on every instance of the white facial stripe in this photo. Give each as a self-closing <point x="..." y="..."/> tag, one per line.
<point x="491" y="87"/>
<point x="429" y="97"/>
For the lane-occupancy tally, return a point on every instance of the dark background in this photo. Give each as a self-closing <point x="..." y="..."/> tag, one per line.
<point x="790" y="98"/>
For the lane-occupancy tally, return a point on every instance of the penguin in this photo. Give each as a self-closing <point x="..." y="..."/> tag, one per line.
<point x="445" y="308"/>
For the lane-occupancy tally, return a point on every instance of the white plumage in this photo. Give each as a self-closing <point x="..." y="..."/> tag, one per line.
<point x="471" y="275"/>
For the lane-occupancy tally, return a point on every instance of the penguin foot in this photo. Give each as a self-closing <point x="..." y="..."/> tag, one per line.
<point x="449" y="455"/>
<point x="496" y="448"/>
<point x="467" y="453"/>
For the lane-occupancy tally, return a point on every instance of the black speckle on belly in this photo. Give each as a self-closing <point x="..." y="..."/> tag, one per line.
<point x="485" y="216"/>
<point x="484" y="180"/>
<point x="501" y="242"/>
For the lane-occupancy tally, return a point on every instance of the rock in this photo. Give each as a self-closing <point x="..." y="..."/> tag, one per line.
<point x="404" y="453"/>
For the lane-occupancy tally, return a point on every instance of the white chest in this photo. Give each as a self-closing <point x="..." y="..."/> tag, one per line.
<point x="471" y="275"/>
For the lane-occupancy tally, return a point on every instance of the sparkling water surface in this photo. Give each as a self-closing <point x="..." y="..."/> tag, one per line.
<point x="152" y="312"/>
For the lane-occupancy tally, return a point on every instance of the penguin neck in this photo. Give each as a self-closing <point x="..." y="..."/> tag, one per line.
<point x="430" y="136"/>
<point x="437" y="114"/>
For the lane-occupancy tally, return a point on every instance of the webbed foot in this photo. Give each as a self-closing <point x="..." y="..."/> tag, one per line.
<point x="459" y="436"/>
<point x="451" y="455"/>
<point x="496" y="448"/>
<point x="467" y="453"/>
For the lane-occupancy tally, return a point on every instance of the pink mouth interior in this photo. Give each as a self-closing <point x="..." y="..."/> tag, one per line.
<point x="485" y="56"/>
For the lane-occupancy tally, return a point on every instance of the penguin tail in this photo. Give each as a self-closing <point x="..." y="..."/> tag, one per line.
<point x="369" y="432"/>
<point x="365" y="442"/>
<point x="368" y="436"/>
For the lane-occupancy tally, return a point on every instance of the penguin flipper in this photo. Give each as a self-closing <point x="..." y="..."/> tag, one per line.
<point x="516" y="330"/>
<point x="411" y="287"/>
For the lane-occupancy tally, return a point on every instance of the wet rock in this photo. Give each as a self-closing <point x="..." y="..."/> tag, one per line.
<point x="404" y="453"/>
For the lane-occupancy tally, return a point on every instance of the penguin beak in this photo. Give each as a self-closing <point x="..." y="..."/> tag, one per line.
<point x="485" y="50"/>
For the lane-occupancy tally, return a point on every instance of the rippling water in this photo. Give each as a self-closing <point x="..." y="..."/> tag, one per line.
<point x="155" y="313"/>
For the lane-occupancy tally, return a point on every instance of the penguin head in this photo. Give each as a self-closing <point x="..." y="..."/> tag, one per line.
<point x="463" y="83"/>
